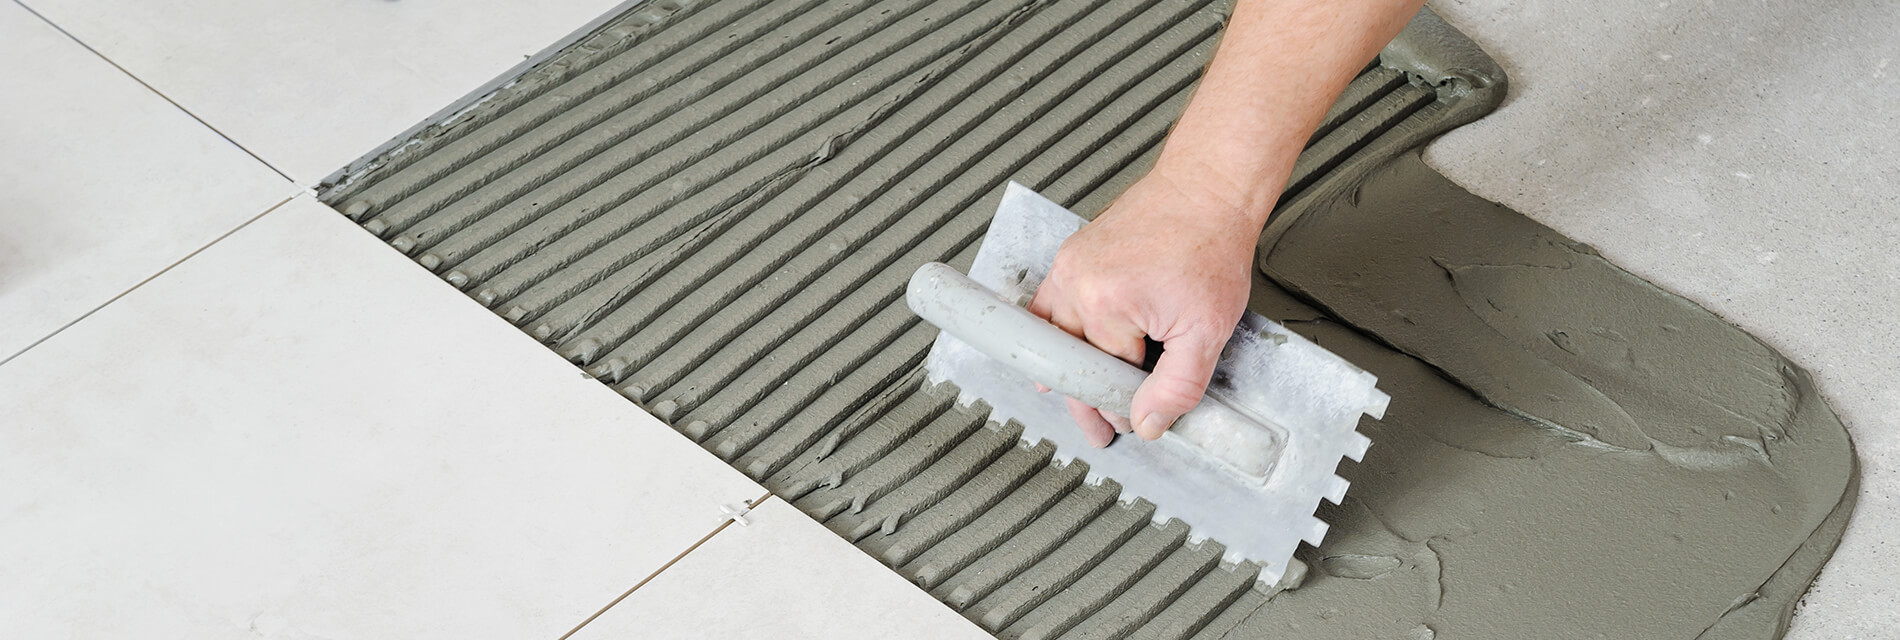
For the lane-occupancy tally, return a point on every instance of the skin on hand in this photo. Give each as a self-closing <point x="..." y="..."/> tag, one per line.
<point x="1164" y="261"/>
<point x="1172" y="258"/>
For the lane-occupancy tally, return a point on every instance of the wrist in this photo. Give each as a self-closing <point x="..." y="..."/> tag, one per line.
<point x="1239" y="198"/>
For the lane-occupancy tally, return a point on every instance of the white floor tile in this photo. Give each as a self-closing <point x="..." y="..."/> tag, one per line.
<point x="104" y="182"/>
<point x="299" y="433"/>
<point x="311" y="86"/>
<point x="781" y="576"/>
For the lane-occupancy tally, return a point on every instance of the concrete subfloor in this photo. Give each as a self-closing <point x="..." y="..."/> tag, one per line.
<point x="1745" y="155"/>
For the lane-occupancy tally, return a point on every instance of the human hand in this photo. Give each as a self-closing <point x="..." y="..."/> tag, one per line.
<point x="1170" y="260"/>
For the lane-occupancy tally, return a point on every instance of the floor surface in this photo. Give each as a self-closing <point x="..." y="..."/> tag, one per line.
<point x="297" y="431"/>
<point x="84" y="218"/>
<point x="311" y="86"/>
<point x="1747" y="161"/>
<point x="793" y="578"/>
<point x="1744" y="155"/>
<point x="280" y="428"/>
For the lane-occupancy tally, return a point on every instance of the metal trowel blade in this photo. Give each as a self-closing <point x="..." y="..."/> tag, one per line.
<point x="1266" y="372"/>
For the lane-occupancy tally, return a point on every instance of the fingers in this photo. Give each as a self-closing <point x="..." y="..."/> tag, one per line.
<point x="1097" y="431"/>
<point x="1177" y="384"/>
<point x="1113" y="335"/>
<point x="1117" y="338"/>
<point x="1040" y="304"/>
<point x="1127" y="343"/>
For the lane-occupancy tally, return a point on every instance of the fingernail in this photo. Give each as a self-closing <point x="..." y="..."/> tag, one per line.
<point x="1040" y="388"/>
<point x="1156" y="423"/>
<point x="1099" y="440"/>
<point x="1120" y="423"/>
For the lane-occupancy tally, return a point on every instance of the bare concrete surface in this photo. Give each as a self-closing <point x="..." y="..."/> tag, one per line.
<point x="1745" y="156"/>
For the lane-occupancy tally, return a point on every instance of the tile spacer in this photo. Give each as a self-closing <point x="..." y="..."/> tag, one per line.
<point x="736" y="515"/>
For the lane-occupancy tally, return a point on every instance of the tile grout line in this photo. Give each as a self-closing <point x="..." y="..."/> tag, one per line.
<point x="149" y="278"/>
<point x="154" y="90"/>
<point x="669" y="564"/>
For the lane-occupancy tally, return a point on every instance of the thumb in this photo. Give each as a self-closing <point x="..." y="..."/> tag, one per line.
<point x="1177" y="384"/>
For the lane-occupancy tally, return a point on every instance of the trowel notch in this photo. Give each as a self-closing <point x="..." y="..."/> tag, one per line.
<point x="1245" y="468"/>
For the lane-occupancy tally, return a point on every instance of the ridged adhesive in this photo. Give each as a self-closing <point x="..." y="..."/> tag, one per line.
<point x="714" y="207"/>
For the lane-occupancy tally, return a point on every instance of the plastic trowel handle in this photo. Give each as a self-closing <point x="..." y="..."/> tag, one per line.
<point x="1012" y="335"/>
<point x="1241" y="442"/>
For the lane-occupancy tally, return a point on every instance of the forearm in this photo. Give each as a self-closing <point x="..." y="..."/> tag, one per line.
<point x="1279" y="67"/>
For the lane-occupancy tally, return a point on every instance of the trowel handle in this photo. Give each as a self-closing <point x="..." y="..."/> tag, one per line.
<point x="1015" y="337"/>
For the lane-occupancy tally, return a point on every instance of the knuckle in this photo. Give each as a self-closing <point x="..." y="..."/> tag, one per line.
<point x="1095" y="298"/>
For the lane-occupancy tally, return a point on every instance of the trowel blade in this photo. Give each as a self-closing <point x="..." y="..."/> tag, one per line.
<point x="1265" y="371"/>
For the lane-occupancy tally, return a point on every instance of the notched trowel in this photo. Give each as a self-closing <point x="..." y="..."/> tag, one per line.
<point x="1247" y="467"/>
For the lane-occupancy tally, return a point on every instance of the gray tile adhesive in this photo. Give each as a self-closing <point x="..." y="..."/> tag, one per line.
<point x="713" y="207"/>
